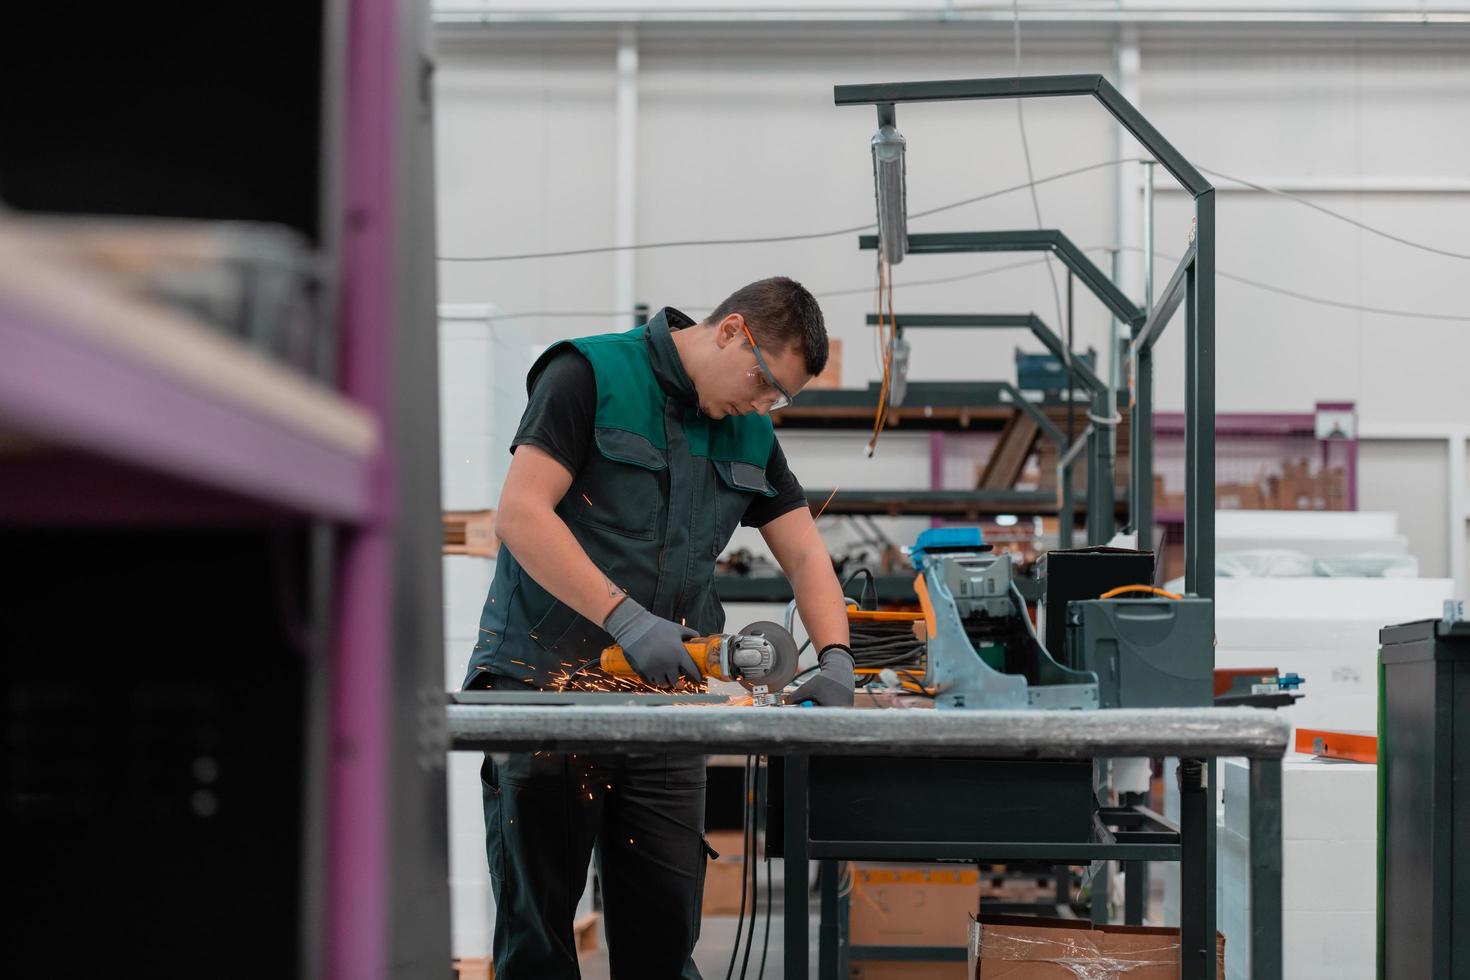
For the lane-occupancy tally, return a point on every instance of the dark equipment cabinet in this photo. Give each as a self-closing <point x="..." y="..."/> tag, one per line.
<point x="1424" y="800"/>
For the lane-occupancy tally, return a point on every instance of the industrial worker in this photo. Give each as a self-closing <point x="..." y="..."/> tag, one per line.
<point x="638" y="455"/>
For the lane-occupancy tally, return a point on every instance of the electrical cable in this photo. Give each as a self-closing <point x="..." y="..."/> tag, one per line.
<point x="808" y="236"/>
<point x="744" y="834"/>
<point x="1151" y="590"/>
<point x="1304" y="297"/>
<point x="760" y="807"/>
<point x="880" y="417"/>
<point x="1337" y="214"/>
<point x="1409" y="314"/>
<point x="1020" y="602"/>
<point x="934" y="282"/>
<point x="751" y="866"/>
<point x="870" y="583"/>
<point x="1051" y="271"/>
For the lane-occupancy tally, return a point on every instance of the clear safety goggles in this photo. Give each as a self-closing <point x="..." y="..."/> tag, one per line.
<point x="762" y="370"/>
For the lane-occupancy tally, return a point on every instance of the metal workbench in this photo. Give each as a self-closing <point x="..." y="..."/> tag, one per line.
<point x="1193" y="734"/>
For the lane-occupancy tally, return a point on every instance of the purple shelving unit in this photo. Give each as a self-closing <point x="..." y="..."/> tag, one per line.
<point x="1256" y="450"/>
<point x="221" y="574"/>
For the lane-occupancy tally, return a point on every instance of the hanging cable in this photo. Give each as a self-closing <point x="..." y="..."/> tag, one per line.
<point x="1370" y="229"/>
<point x="751" y="868"/>
<point x="763" y="790"/>
<point x="744" y="843"/>
<point x="803" y="237"/>
<point x="1051" y="271"/>
<point x="1306" y="297"/>
<point x="889" y="338"/>
<point x="1258" y="284"/>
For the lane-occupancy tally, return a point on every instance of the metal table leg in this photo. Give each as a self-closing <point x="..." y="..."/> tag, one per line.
<point x="1135" y="878"/>
<point x="828" y="942"/>
<point x="1102" y="888"/>
<point x="1196" y="870"/>
<point x="795" y="844"/>
<point x="1265" y="855"/>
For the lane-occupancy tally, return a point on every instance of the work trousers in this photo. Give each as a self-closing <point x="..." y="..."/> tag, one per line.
<point x="546" y="814"/>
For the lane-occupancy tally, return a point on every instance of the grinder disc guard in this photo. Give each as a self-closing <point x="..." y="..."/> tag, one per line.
<point x="784" y="656"/>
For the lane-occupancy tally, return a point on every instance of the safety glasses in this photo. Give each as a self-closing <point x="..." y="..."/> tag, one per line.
<point x="783" y="397"/>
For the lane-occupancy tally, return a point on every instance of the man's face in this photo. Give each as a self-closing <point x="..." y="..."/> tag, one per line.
<point x="737" y="384"/>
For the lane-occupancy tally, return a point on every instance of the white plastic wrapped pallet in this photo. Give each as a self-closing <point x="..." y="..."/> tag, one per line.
<point x="1329" y="861"/>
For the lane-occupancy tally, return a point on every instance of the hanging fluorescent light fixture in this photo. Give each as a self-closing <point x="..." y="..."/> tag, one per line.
<point x="888" y="187"/>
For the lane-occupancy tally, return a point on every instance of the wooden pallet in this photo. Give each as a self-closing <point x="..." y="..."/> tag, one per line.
<point x="1011" y="452"/>
<point x="470" y="532"/>
<point x="474" y="968"/>
<point x="584" y="930"/>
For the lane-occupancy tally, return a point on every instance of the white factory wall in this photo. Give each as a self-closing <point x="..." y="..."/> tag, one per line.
<point x="737" y="136"/>
<point x="480" y="401"/>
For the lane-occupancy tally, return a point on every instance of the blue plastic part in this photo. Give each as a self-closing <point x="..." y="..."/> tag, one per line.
<point x="1289" y="682"/>
<point x="1045" y="372"/>
<point x="945" y="539"/>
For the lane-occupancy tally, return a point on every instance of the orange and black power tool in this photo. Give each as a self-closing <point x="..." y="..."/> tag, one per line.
<point x="761" y="657"/>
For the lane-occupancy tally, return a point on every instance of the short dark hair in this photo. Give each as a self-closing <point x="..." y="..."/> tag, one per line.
<point x="782" y="315"/>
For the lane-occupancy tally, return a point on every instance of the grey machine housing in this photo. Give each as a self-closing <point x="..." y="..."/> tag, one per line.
<point x="1146" y="653"/>
<point x="966" y="584"/>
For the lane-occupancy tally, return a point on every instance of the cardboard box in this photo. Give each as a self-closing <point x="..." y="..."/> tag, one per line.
<point x="831" y="376"/>
<point x="1018" y="947"/>
<point x="1239" y="496"/>
<point x="470" y="532"/>
<point x="722" y="875"/>
<point x="474" y="968"/>
<point x="912" y="904"/>
<point x="894" y="970"/>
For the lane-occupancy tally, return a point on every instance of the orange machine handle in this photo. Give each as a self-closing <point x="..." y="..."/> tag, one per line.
<point x="614" y="662"/>
<point x="931" y="621"/>
<point x="1123" y="589"/>
<point x="881" y="616"/>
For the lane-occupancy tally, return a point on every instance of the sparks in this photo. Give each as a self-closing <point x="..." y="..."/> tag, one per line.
<point x="825" y="503"/>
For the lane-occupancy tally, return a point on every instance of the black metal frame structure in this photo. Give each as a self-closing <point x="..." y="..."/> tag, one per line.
<point x="1131" y="835"/>
<point x="1192" y="286"/>
<point x="1100" y="453"/>
<point x="1199" y="735"/>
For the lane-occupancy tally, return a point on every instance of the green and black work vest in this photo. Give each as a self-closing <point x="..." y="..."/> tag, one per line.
<point x="653" y="506"/>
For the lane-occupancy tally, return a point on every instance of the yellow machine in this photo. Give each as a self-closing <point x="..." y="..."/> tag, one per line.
<point x="761" y="657"/>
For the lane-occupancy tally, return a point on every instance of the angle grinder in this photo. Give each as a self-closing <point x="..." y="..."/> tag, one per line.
<point x="761" y="658"/>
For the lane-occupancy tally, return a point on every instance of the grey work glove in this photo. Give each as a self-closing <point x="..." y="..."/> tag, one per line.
<point x="833" y="684"/>
<point x="652" y="644"/>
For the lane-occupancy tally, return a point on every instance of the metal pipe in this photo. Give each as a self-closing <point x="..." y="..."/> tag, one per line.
<point x="1073" y="451"/>
<point x="945" y="13"/>
<point x="1148" y="237"/>
<point x="625" y="176"/>
<point x="1001" y="734"/>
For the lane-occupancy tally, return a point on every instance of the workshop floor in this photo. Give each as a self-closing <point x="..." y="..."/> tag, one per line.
<point x="716" y="939"/>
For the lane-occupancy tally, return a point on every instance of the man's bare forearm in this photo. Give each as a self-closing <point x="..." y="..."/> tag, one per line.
<point x="819" y="600"/>
<point x="546" y="548"/>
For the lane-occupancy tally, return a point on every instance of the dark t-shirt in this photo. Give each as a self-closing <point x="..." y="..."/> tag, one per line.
<point x="559" y="421"/>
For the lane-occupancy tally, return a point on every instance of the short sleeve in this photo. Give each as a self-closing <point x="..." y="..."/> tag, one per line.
<point x="789" y="494"/>
<point x="560" y="413"/>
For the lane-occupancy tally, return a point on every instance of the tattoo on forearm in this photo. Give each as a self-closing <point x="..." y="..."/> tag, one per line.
<point x="613" y="589"/>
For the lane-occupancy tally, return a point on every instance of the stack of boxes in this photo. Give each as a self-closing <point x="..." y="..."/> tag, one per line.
<point x="1329" y="861"/>
<point x="1297" y="487"/>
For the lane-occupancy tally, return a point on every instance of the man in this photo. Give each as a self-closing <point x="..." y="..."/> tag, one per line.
<point x="637" y="457"/>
